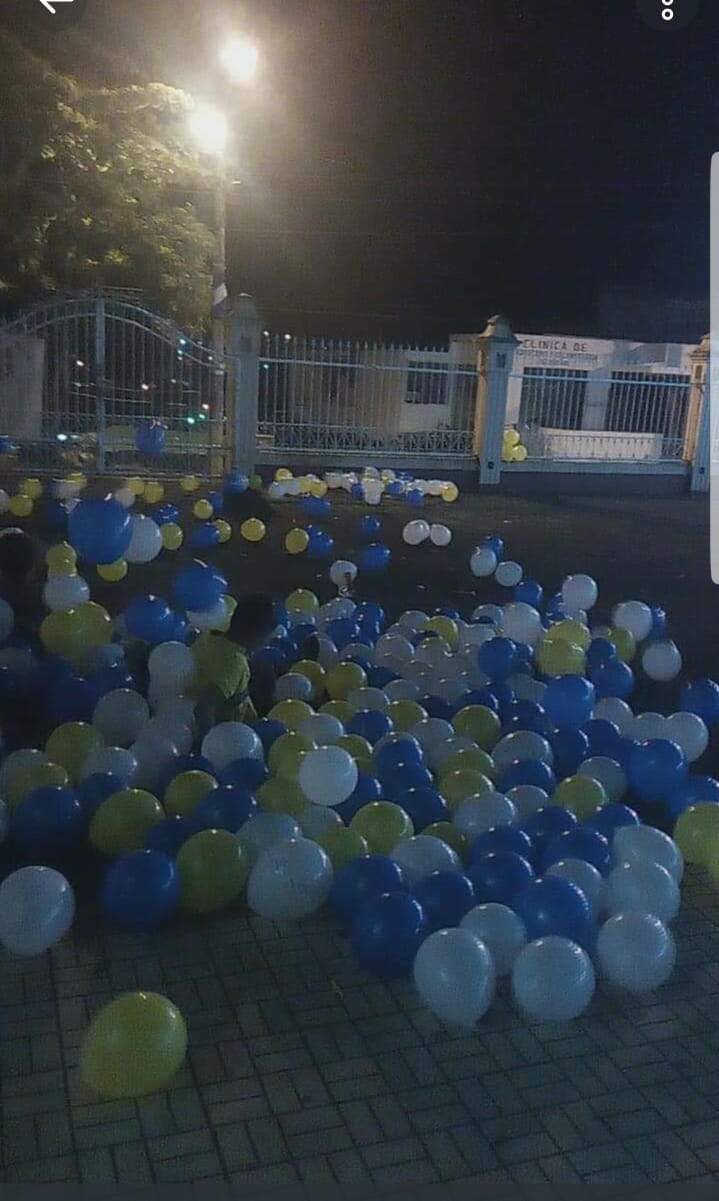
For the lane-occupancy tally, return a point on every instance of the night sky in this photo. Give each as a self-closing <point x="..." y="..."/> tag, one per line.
<point x="409" y="167"/>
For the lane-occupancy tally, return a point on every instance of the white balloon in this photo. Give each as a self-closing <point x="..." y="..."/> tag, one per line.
<point x="501" y="931"/>
<point x="440" y="535"/>
<point x="328" y="775"/>
<point x="412" y="621"/>
<point x="489" y="614"/>
<point x="120" y="716"/>
<point x="37" y="907"/>
<point x="367" y="698"/>
<point x="63" y="592"/>
<point x="508" y="574"/>
<point x="454" y="975"/>
<point x="611" y="708"/>
<point x="527" y="799"/>
<point x="290" y="880"/>
<point x="520" y="745"/>
<point x="527" y="689"/>
<point x="420" y="856"/>
<point x="608" y="772"/>
<point x="153" y="753"/>
<point x="690" y="734"/>
<point x="553" y="980"/>
<point x="634" y="616"/>
<point x="125" y="497"/>
<point x="585" y="876"/>
<point x="483" y="562"/>
<point x="266" y="830"/>
<point x="441" y="751"/>
<point x="146" y="540"/>
<point x="395" y="645"/>
<point x="293" y="686"/>
<point x="298" y="617"/>
<point x="115" y="760"/>
<point x="169" y="728"/>
<point x="321" y="728"/>
<point x="579" y="592"/>
<point x="416" y="532"/>
<point x="328" y="655"/>
<point x="228" y="741"/>
<point x="277" y="490"/>
<point x="214" y="618"/>
<point x="172" y="665"/>
<point x="317" y="820"/>
<point x="483" y="812"/>
<point x="431" y="731"/>
<point x="342" y="572"/>
<point x="358" y="648"/>
<point x="662" y="660"/>
<point x="17" y="762"/>
<point x="641" y="886"/>
<point x="648" y="726"/>
<point x="635" y="951"/>
<point x="402" y="690"/>
<point x="180" y="709"/>
<point x="523" y="623"/>
<point x="647" y="844"/>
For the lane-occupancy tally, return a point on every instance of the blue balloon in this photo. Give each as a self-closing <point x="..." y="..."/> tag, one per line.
<point x="388" y="932"/>
<point x="164" y="514"/>
<point x="527" y="771"/>
<point x="204" y="536"/>
<point x="701" y="697"/>
<point x="614" y="678"/>
<point x="425" y="806"/>
<point x="369" y="527"/>
<point x="403" y="776"/>
<point x="371" y="611"/>
<point x="366" y="790"/>
<point x="569" y="700"/>
<point x="361" y="880"/>
<point x="268" y="730"/>
<point x="100" y="530"/>
<point x="553" y="905"/>
<point x="48" y="822"/>
<point x="375" y="557"/>
<point x="546" y="824"/>
<point x="529" y="592"/>
<point x="414" y="497"/>
<point x="497" y="658"/>
<point x="659" y="622"/>
<point x="236" y="484"/>
<point x="141" y="890"/>
<point x="499" y="877"/>
<point x="274" y="656"/>
<point x="342" y="631"/>
<point x="366" y="668"/>
<point x="600" y="652"/>
<point x="225" y="808"/>
<point x="245" y="773"/>
<point x="150" y="438"/>
<point x="445" y="898"/>
<point x="395" y="749"/>
<point x="171" y="834"/>
<point x="656" y="769"/>
<point x="76" y="701"/>
<point x="437" y="706"/>
<point x="479" y="696"/>
<point x="690" y="792"/>
<point x="501" y="838"/>
<point x="198" y="586"/>
<point x="394" y="488"/>
<point x="525" y="715"/>
<point x="448" y="611"/>
<point x="371" y="724"/>
<point x="217" y="501"/>
<point x="570" y="747"/>
<point x="377" y="677"/>
<point x="495" y="543"/>
<point x="610" y="818"/>
<point x="94" y="790"/>
<point x="150" y="619"/>
<point x="603" y="736"/>
<point x="581" y="843"/>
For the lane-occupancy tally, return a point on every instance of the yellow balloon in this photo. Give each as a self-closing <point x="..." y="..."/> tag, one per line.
<point x="133" y="1046"/>
<point x="184" y="793"/>
<point x="61" y="556"/>
<point x="450" y="835"/>
<point x="318" y="488"/>
<point x="38" y="775"/>
<point x="570" y="630"/>
<point x="203" y="510"/>
<point x="342" y="710"/>
<point x="282" y="796"/>
<point x="253" y="530"/>
<point x="78" y="479"/>
<point x="282" y="474"/>
<point x="446" y="629"/>
<point x="296" y="541"/>
<point x="172" y="536"/>
<point x="305" y="485"/>
<point x="343" y="679"/>
<point x="135" y="484"/>
<point x="189" y="483"/>
<point x="696" y="832"/>
<point x="291" y="713"/>
<point x="287" y="753"/>
<point x="405" y="714"/>
<point x="31" y="487"/>
<point x="21" y="506"/>
<point x="622" y="639"/>
<point x="560" y="658"/>
<point x="382" y="824"/>
<point x="359" y="748"/>
<point x="213" y="871"/>
<point x="480" y="724"/>
<point x="343" y="844"/>
<point x="154" y="492"/>
<point x="302" y="601"/>
<point x="75" y="633"/>
<point x="449" y="492"/>
<point x="519" y="454"/>
<point x="472" y="759"/>
<point x="70" y="744"/>
<point x="457" y="786"/>
<point x="224" y="529"/>
<point x="313" y="672"/>
<point x="581" y="795"/>
<point x="124" y="820"/>
<point x="511" y="438"/>
<point x="256" y="483"/>
<point x="112" y="572"/>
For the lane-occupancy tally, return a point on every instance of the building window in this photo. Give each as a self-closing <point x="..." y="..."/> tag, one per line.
<point x="646" y="402"/>
<point x="427" y="383"/>
<point x="552" y="398"/>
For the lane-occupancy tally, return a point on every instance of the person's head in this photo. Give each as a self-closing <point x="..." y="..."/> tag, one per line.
<point x="18" y="554"/>
<point x="253" y="620"/>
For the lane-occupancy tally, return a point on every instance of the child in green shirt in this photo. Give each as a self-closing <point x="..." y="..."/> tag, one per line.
<point x="225" y="687"/>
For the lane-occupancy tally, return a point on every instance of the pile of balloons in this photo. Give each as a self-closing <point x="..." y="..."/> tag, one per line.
<point x="513" y="451"/>
<point x="369" y="486"/>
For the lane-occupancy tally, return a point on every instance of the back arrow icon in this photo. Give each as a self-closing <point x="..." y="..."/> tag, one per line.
<point x="48" y="4"/>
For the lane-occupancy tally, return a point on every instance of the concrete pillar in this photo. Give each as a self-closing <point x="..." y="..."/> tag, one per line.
<point x="697" y="430"/>
<point x="243" y="348"/>
<point x="495" y="356"/>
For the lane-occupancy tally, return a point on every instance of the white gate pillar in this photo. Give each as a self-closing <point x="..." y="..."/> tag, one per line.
<point x="697" y="430"/>
<point x="244" y="343"/>
<point x="495" y="356"/>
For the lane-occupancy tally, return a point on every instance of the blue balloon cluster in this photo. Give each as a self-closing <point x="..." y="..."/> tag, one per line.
<point x="150" y="438"/>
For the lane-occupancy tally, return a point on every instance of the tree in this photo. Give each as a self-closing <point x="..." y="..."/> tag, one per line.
<point x="98" y="189"/>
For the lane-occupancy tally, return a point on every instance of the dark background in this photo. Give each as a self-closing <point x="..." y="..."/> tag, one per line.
<point x="409" y="167"/>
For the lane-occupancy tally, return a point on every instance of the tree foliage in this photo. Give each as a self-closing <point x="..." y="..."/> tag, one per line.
<point x="97" y="189"/>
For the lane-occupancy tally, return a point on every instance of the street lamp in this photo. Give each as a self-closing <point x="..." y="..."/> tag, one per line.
<point x="240" y="59"/>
